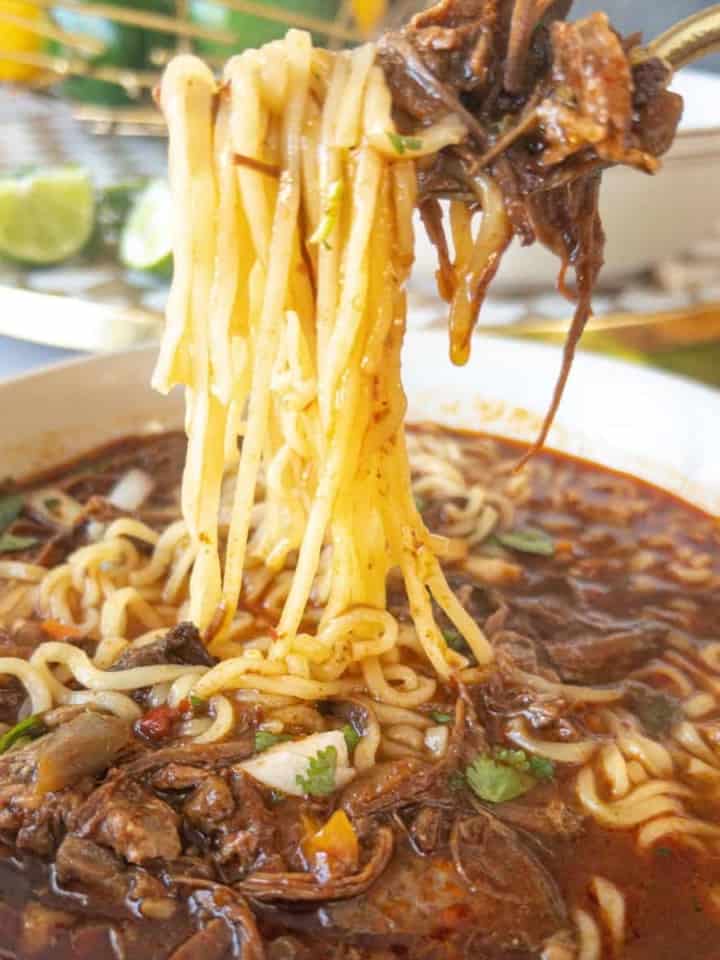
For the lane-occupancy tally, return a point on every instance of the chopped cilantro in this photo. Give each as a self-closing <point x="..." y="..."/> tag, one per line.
<point x="331" y="212"/>
<point x="265" y="739"/>
<point x="9" y="543"/>
<point x="542" y="768"/>
<point x="26" y="730"/>
<point x="527" y="541"/>
<point x="455" y="641"/>
<point x="506" y="774"/>
<point x="402" y="144"/>
<point x="352" y="737"/>
<point x="456" y="780"/>
<point x="439" y="717"/>
<point x="196" y="702"/>
<point x="10" y="507"/>
<point x="320" y="778"/>
<point x="52" y="503"/>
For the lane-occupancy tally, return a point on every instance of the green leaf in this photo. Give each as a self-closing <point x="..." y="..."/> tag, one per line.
<point x="52" y="503"/>
<point x="439" y="717"/>
<point x="10" y="507"/>
<point x="320" y="778"/>
<point x="402" y="144"/>
<point x="495" y="782"/>
<point x="331" y="212"/>
<point x="542" y="768"/>
<point x="197" y="703"/>
<point x="9" y="543"/>
<point x="455" y="641"/>
<point x="27" y="729"/>
<point x="456" y="780"/>
<point x="507" y="773"/>
<point x="265" y="739"/>
<point x="527" y="541"/>
<point x="352" y="737"/>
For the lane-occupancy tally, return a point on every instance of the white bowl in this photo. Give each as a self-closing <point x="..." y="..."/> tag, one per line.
<point x="629" y="418"/>
<point x="647" y="219"/>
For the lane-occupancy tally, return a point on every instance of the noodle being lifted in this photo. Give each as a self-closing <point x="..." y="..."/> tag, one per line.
<point x="294" y="194"/>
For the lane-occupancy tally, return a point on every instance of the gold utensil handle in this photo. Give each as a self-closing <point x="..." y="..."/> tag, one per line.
<point x="692" y="39"/>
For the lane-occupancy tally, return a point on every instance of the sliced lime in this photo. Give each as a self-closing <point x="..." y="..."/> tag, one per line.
<point x="146" y="240"/>
<point x="46" y="216"/>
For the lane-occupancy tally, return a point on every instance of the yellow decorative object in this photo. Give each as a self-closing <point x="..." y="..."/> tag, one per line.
<point x="17" y="36"/>
<point x="369" y="14"/>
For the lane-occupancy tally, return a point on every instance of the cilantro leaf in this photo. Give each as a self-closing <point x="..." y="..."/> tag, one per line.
<point x="402" y="144"/>
<point x="264" y="739"/>
<point x="454" y="640"/>
<point x="506" y="774"/>
<point x="331" y="212"/>
<point x="542" y="768"/>
<point x="527" y="541"/>
<point x="352" y="737"/>
<point x="494" y="781"/>
<point x="10" y="507"/>
<point x="440" y="717"/>
<point x="26" y="730"/>
<point x="456" y="780"/>
<point x="9" y="543"/>
<point x="320" y="778"/>
<point x="196" y="702"/>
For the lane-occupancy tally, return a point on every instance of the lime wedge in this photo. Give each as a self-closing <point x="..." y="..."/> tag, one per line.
<point x="146" y="240"/>
<point x="46" y="216"/>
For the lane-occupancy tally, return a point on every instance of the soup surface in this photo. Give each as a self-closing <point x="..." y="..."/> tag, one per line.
<point x="565" y="803"/>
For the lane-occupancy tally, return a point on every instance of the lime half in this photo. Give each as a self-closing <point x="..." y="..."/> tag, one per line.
<point x="146" y="241"/>
<point x="46" y="216"/>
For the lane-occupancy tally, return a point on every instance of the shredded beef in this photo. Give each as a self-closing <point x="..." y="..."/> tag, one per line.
<point x="547" y="105"/>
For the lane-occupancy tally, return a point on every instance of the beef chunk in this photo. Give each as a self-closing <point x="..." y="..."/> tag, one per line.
<point x="86" y="866"/>
<point x="180" y="645"/>
<point x="130" y="820"/>
<point x="388" y="785"/>
<point x="587" y="656"/>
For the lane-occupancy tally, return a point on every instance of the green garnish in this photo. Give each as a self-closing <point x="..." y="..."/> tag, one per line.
<point x="506" y="774"/>
<point x="420" y="503"/>
<point x="320" y="778"/>
<point x="196" y="702"/>
<point x="27" y="729"/>
<point x="9" y="543"/>
<point x="265" y="739"/>
<point x="331" y="212"/>
<point x="352" y="737"/>
<point x="52" y="503"/>
<point x="402" y="144"/>
<point x="456" y="780"/>
<point x="10" y="507"/>
<point x="454" y="640"/>
<point x="527" y="541"/>
<point x="439" y="717"/>
<point x="663" y="851"/>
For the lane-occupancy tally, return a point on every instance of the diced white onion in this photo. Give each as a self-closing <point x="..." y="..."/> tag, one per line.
<point x="280" y="766"/>
<point x="55" y="507"/>
<point x="131" y="490"/>
<point x="436" y="740"/>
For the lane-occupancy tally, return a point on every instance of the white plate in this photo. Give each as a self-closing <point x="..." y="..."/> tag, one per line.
<point x="646" y="219"/>
<point x="650" y="424"/>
